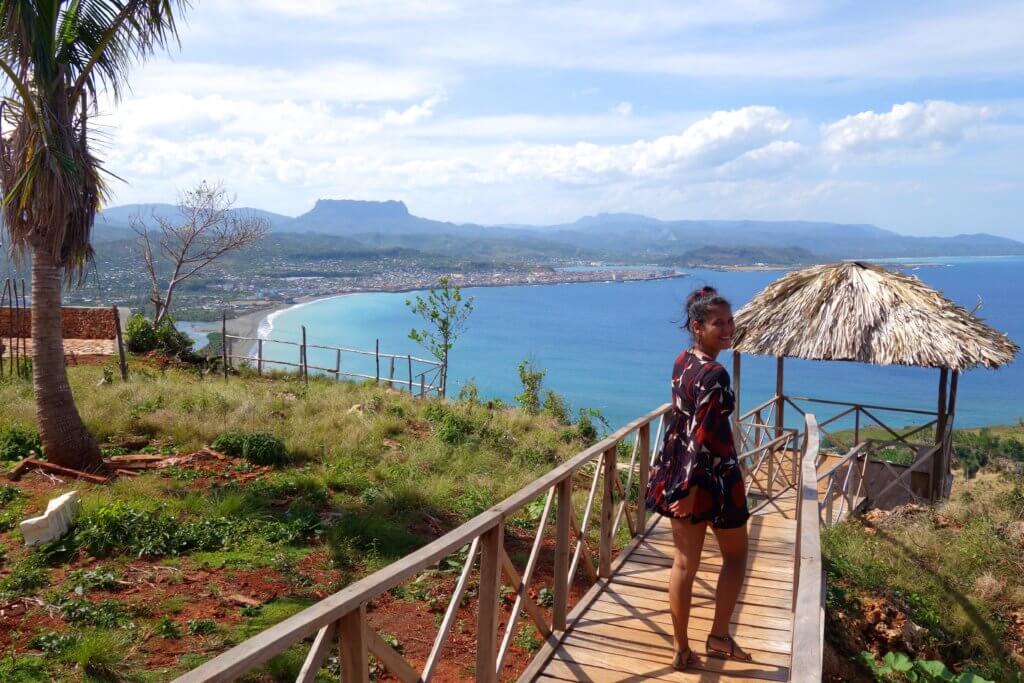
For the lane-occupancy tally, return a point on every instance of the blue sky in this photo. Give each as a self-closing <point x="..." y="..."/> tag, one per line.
<point x="906" y="115"/>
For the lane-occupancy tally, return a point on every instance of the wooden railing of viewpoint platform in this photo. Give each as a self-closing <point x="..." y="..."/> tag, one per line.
<point x="809" y="589"/>
<point x="341" y="618"/>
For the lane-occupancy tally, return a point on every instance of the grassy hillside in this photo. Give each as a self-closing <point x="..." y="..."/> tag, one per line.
<point x="935" y="584"/>
<point x="164" y="570"/>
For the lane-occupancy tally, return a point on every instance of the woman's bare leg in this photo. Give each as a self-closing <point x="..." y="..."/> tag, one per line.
<point x="689" y="541"/>
<point x="732" y="543"/>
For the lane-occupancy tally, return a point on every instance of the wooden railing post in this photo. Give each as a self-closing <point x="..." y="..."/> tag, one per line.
<point x="376" y="354"/>
<point x="409" y="358"/>
<point x="120" y="346"/>
<point x="337" y="365"/>
<point x="489" y="597"/>
<point x="562" y="580"/>
<point x="644" y="438"/>
<point x="352" y="645"/>
<point x="305" y="358"/>
<point x="856" y="426"/>
<point x="224" y="342"/>
<point x="604" y="567"/>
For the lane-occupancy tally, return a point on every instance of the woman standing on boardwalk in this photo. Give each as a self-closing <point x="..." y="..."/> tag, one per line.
<point x="696" y="480"/>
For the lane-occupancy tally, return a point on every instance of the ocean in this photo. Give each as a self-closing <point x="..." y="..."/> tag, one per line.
<point x="611" y="346"/>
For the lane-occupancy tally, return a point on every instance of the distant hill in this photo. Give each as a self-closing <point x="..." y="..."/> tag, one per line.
<point x="611" y="236"/>
<point x="114" y="223"/>
<point x="742" y="255"/>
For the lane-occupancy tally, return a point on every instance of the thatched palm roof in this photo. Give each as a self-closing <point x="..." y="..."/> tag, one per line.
<point x="863" y="312"/>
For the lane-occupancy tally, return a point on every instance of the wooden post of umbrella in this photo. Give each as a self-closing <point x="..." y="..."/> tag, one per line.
<point x="780" y="400"/>
<point x="938" y="467"/>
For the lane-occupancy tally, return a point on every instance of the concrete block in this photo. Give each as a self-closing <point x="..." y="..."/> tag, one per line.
<point x="59" y="516"/>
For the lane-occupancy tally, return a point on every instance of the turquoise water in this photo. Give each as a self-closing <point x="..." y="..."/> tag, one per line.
<point x="611" y="345"/>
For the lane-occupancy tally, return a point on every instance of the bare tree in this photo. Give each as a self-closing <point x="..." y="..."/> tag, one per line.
<point x="206" y="229"/>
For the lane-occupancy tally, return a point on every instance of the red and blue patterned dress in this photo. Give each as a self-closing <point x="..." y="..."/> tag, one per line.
<point x="698" y="456"/>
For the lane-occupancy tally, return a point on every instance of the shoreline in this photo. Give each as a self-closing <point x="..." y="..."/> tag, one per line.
<point x="259" y="323"/>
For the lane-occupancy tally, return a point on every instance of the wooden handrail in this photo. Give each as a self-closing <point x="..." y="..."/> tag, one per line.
<point x="852" y="453"/>
<point x="861" y="405"/>
<point x="809" y="591"/>
<point x="344" y="610"/>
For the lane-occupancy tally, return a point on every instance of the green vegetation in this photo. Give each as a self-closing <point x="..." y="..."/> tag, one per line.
<point x="259" y="448"/>
<point x="141" y="336"/>
<point x="362" y="476"/>
<point x="943" y="583"/>
<point x="16" y="442"/>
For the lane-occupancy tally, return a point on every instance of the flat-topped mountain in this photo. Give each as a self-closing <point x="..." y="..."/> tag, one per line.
<point x="608" y="235"/>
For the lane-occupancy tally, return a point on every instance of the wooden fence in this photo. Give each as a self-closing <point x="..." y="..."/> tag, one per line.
<point x="422" y="377"/>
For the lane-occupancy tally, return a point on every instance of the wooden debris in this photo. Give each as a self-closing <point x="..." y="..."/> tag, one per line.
<point x="244" y="600"/>
<point x="33" y="464"/>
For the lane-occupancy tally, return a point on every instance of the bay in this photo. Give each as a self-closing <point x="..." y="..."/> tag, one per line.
<point x="611" y="346"/>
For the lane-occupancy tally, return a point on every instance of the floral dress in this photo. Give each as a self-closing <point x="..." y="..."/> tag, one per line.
<point x="698" y="456"/>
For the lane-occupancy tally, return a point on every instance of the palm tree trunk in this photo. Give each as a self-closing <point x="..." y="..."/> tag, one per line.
<point x="65" y="439"/>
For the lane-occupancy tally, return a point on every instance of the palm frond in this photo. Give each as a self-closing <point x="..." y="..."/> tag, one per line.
<point x="58" y="55"/>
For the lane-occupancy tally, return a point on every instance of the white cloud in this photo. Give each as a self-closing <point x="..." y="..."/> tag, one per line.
<point x="623" y="109"/>
<point x="929" y="124"/>
<point x="713" y="140"/>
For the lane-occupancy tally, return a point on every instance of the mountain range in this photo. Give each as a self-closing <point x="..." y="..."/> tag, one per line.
<point x="618" y="235"/>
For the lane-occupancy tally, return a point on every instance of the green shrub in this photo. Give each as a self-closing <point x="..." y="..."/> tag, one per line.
<point x="166" y="628"/>
<point x="23" y="669"/>
<point x="170" y="340"/>
<point x="106" y="614"/>
<point x="201" y="627"/>
<point x="84" y="580"/>
<point x="52" y="642"/>
<point x="26" y="576"/>
<point x="9" y="494"/>
<point x="259" y="448"/>
<point x="16" y="442"/>
<point x="556" y="406"/>
<point x="139" y="335"/>
<point x="531" y="379"/>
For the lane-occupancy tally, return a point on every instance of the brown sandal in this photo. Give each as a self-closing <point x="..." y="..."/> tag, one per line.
<point x="684" y="659"/>
<point x="734" y="652"/>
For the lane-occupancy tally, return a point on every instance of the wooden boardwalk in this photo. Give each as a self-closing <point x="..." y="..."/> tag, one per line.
<point x="620" y="629"/>
<point x="625" y="632"/>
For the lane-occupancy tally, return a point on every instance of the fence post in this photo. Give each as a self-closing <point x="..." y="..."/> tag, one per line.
<point x="120" y="345"/>
<point x="605" y="556"/>
<point x="644" y="449"/>
<point x="423" y="386"/>
<point x="377" y="355"/>
<point x="305" y="358"/>
<point x="224" y="342"/>
<point x="410" y="374"/>
<point x="391" y="372"/>
<point x="856" y="426"/>
<point x="353" y="649"/>
<point x="489" y="596"/>
<point x="337" y="365"/>
<point x="561" y="578"/>
<point x="259" y="357"/>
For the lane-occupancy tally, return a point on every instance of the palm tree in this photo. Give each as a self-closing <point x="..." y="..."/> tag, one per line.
<point x="57" y="57"/>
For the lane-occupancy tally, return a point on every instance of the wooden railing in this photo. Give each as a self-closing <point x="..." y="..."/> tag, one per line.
<point x="865" y="414"/>
<point x="609" y="503"/>
<point x="841" y="485"/>
<point x="423" y="377"/>
<point x="809" y="591"/>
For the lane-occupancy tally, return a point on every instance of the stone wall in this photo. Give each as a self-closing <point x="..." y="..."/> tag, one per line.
<point x="77" y="323"/>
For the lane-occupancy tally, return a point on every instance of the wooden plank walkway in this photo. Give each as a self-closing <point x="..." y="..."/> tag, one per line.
<point x="625" y="632"/>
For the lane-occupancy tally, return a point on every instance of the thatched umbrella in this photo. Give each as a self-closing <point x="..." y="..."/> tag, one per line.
<point x="863" y="312"/>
